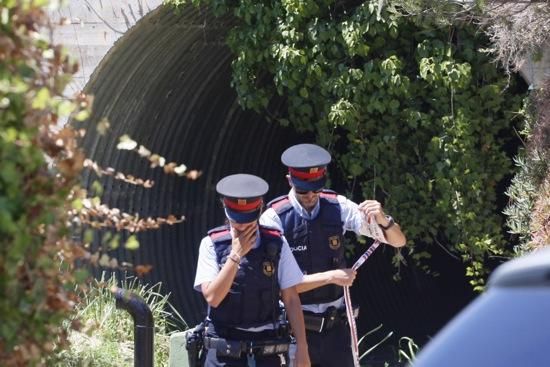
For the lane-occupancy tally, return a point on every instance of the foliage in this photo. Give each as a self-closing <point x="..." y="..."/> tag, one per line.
<point x="39" y="165"/>
<point x="540" y="224"/>
<point x="409" y="351"/>
<point x="442" y="12"/>
<point x="411" y="109"/>
<point x="524" y="188"/>
<point x="518" y="30"/>
<point x="102" y="225"/>
<point x="376" y="345"/>
<point x="404" y="353"/>
<point x="106" y="337"/>
<point x="41" y="203"/>
<point x="528" y="210"/>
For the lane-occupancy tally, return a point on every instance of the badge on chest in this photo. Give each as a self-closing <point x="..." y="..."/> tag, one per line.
<point x="334" y="242"/>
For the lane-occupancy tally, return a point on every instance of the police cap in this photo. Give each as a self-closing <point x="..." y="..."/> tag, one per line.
<point x="307" y="165"/>
<point x="242" y="196"/>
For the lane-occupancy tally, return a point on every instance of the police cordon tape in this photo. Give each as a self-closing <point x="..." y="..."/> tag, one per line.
<point x="349" y="308"/>
<point x="194" y="339"/>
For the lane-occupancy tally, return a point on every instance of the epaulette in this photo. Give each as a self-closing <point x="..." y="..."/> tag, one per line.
<point x="280" y="204"/>
<point x="219" y="232"/>
<point x="331" y="196"/>
<point x="274" y="232"/>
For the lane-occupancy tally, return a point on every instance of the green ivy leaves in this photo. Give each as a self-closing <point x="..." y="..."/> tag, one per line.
<point x="421" y="116"/>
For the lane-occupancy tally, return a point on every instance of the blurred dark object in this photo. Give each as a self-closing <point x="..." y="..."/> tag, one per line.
<point x="507" y="326"/>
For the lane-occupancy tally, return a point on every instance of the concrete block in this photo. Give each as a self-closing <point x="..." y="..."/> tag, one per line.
<point x="178" y="353"/>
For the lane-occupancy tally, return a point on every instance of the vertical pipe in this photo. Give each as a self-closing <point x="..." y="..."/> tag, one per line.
<point x="143" y="325"/>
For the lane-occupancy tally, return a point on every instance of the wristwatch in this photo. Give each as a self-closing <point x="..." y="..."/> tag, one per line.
<point x="391" y="222"/>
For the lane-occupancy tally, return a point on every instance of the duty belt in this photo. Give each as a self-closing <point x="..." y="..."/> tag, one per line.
<point x="238" y="348"/>
<point x="326" y="321"/>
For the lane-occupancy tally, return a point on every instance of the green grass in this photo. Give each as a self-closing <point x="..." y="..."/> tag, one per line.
<point x="106" y="336"/>
<point x="400" y="355"/>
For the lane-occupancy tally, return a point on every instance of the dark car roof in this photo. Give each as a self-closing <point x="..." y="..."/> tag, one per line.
<point x="506" y="326"/>
<point x="527" y="271"/>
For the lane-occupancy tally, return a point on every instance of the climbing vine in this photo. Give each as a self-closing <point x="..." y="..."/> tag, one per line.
<point x="414" y="112"/>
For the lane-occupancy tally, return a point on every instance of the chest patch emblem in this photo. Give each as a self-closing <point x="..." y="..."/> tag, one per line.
<point x="268" y="268"/>
<point x="334" y="242"/>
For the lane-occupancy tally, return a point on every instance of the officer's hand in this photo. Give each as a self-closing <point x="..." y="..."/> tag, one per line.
<point x="372" y="210"/>
<point x="343" y="277"/>
<point x="301" y="358"/>
<point x="243" y="240"/>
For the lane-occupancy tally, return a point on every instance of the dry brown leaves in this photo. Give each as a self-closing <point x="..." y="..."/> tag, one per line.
<point x="99" y="216"/>
<point x="156" y="160"/>
<point x="109" y="171"/>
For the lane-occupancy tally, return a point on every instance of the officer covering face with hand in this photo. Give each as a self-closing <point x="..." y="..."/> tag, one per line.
<point x="243" y="270"/>
<point x="314" y="221"/>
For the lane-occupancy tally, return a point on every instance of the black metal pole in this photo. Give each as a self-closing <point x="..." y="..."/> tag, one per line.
<point x="144" y="325"/>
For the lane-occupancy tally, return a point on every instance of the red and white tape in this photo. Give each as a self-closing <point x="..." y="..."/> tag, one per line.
<point x="349" y="307"/>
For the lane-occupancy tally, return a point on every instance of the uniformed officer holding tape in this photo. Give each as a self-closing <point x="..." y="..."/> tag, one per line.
<point x="314" y="220"/>
<point x="243" y="270"/>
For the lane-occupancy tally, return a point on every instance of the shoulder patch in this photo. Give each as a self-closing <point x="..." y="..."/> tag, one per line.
<point x="327" y="192"/>
<point x="218" y="232"/>
<point x="330" y="195"/>
<point x="270" y="231"/>
<point x="277" y="200"/>
<point x="280" y="204"/>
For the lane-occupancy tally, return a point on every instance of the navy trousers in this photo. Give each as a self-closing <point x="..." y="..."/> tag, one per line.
<point x="331" y="348"/>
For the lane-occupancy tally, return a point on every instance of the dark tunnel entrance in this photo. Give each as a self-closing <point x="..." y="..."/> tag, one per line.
<point x="166" y="83"/>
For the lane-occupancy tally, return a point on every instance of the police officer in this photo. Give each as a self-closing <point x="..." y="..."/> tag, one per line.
<point x="243" y="270"/>
<point x="314" y="220"/>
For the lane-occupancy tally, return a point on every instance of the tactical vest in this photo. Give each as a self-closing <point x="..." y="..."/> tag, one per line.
<point x="253" y="298"/>
<point x="316" y="244"/>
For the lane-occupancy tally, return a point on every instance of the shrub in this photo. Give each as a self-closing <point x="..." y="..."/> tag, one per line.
<point x="39" y="165"/>
<point x="106" y="337"/>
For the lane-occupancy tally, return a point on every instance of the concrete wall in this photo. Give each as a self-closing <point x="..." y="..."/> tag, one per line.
<point x="536" y="71"/>
<point x="91" y="28"/>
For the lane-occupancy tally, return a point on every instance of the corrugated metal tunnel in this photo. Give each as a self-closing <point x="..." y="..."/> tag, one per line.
<point x="166" y="83"/>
